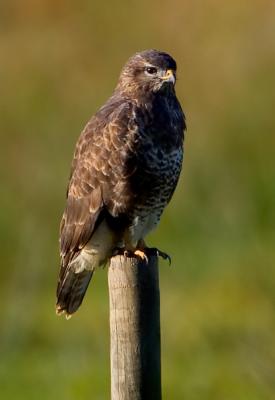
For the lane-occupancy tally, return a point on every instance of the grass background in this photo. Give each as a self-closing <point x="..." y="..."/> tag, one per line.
<point x="59" y="62"/>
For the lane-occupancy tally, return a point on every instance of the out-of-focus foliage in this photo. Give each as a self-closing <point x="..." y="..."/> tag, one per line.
<point x="59" y="62"/>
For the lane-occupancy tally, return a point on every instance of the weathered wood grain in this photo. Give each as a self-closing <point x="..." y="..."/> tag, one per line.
<point x="135" y="329"/>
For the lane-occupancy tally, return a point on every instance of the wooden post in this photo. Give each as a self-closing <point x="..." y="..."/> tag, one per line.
<point x="135" y="329"/>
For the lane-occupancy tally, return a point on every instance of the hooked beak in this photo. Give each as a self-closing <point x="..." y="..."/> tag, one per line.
<point x="169" y="76"/>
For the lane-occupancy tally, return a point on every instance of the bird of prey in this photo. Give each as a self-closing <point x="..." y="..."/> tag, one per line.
<point x="125" y="169"/>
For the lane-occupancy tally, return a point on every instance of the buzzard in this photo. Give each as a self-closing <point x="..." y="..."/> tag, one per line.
<point x="125" y="169"/>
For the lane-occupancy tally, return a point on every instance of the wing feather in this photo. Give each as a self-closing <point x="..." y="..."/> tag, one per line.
<point x="96" y="184"/>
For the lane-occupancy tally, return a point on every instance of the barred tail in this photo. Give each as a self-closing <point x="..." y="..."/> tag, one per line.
<point x="72" y="291"/>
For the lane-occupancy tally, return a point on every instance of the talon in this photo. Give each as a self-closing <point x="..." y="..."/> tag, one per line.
<point x="165" y="256"/>
<point x="161" y="254"/>
<point x="142" y="255"/>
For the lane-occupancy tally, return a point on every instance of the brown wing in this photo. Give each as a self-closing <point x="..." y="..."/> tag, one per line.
<point x="97" y="184"/>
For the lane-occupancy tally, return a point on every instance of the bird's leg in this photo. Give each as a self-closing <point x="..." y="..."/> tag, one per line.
<point x="140" y="251"/>
<point x="131" y="250"/>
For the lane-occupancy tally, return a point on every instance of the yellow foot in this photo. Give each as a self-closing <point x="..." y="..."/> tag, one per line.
<point x="141" y="254"/>
<point x="138" y="253"/>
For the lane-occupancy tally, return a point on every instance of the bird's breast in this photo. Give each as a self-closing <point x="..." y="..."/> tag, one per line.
<point x="156" y="177"/>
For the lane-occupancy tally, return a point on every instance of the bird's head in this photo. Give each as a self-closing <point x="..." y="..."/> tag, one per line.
<point x="148" y="71"/>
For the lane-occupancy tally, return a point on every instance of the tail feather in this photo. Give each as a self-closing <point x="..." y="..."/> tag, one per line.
<point x="72" y="291"/>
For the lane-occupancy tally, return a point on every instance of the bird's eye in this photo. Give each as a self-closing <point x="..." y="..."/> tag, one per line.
<point x="151" y="70"/>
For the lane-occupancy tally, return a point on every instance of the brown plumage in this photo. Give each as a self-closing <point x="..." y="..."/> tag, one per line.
<point x="124" y="171"/>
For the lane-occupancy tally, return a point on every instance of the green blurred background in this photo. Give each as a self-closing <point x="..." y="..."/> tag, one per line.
<point x="59" y="61"/>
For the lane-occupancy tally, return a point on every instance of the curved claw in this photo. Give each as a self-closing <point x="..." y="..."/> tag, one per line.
<point x="142" y="253"/>
<point x="155" y="251"/>
<point x="136" y="253"/>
